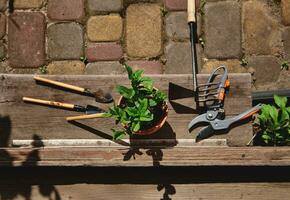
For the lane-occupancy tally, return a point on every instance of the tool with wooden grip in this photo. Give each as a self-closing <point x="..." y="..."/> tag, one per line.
<point x="89" y="109"/>
<point x="193" y="39"/>
<point x="99" y="95"/>
<point x="82" y="117"/>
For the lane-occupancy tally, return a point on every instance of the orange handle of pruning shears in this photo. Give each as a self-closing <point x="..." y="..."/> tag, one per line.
<point x="221" y="95"/>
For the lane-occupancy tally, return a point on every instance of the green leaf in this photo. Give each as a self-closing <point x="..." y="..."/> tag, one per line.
<point x="152" y="103"/>
<point x="132" y="111"/>
<point x="137" y="75"/>
<point x="135" y="126"/>
<point x="284" y="117"/>
<point x="143" y="105"/>
<point x="274" y="114"/>
<point x="288" y="109"/>
<point x="147" y="118"/>
<point x="280" y="101"/>
<point x="128" y="93"/>
<point x="129" y="71"/>
<point x="118" y="135"/>
<point x="147" y="83"/>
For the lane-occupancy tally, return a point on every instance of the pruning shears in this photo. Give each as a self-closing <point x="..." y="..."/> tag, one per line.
<point x="215" y="115"/>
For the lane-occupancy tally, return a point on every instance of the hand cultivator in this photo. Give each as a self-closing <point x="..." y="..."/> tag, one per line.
<point x="211" y="94"/>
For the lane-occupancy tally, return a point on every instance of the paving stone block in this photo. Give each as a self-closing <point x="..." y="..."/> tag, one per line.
<point x="233" y="66"/>
<point x="26" y="36"/>
<point x="267" y="69"/>
<point x="284" y="80"/>
<point x="261" y="32"/>
<point x="286" y="42"/>
<point x="285" y="4"/>
<point x="105" y="28"/>
<point x="104" y="5"/>
<point x="105" y="68"/>
<point x="26" y="4"/>
<point x="2" y="25"/>
<point x="174" y="5"/>
<point x="149" y="67"/>
<point x="178" y="56"/>
<point x="176" y="25"/>
<point x="3" y="5"/>
<point x="144" y="30"/>
<point x="66" y="67"/>
<point x="222" y="29"/>
<point x="65" y="9"/>
<point x="104" y="52"/>
<point x="65" y="41"/>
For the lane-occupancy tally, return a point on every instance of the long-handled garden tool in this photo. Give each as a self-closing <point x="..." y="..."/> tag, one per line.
<point x="193" y="39"/>
<point x="89" y="109"/>
<point x="99" y="95"/>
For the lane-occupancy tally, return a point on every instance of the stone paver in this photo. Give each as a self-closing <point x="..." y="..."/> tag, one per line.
<point x="2" y="25"/>
<point x="104" y="52"/>
<point x="26" y="4"/>
<point x="3" y="5"/>
<point x="285" y="4"/>
<point x="65" y="41"/>
<point x="177" y="26"/>
<point x="283" y="81"/>
<point x="233" y="66"/>
<point x="105" y="28"/>
<point x="144" y="30"/>
<point x="66" y="67"/>
<point x="222" y="29"/>
<point x="26" y="36"/>
<point x="267" y="69"/>
<point x="104" y="5"/>
<point x="178" y="56"/>
<point x="286" y="42"/>
<point x="260" y="29"/>
<point x="149" y="67"/>
<point x="65" y="9"/>
<point x="103" y="68"/>
<point x="174" y="5"/>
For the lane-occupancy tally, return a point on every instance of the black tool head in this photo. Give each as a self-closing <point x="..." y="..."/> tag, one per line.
<point x="93" y="109"/>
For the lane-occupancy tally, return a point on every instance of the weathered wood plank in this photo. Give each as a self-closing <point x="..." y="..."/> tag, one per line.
<point x="28" y="120"/>
<point x="156" y="156"/>
<point x="206" y="191"/>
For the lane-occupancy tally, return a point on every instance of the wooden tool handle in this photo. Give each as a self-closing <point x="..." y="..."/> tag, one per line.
<point x="49" y="103"/>
<point x="93" y="116"/>
<point x="191" y="11"/>
<point x="64" y="85"/>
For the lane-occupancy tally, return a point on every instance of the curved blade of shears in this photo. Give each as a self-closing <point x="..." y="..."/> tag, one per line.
<point x="204" y="133"/>
<point x="196" y="120"/>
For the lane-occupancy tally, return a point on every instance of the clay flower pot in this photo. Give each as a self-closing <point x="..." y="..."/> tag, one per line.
<point x="157" y="125"/>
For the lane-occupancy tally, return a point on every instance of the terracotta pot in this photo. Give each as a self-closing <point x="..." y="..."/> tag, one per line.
<point x="157" y="126"/>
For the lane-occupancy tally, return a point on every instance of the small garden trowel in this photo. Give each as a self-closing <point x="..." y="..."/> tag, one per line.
<point x="89" y="109"/>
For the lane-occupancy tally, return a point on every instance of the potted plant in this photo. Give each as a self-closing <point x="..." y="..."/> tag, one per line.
<point x="141" y="109"/>
<point x="273" y="123"/>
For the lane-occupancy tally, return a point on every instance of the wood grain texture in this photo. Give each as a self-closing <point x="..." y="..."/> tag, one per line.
<point x="28" y="120"/>
<point x="148" y="157"/>
<point x="206" y="191"/>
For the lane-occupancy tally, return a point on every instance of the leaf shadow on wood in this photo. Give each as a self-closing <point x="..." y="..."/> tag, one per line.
<point x="169" y="189"/>
<point x="13" y="190"/>
<point x="153" y="144"/>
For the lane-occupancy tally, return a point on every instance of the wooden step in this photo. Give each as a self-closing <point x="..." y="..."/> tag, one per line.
<point x="145" y="156"/>
<point x="23" y="121"/>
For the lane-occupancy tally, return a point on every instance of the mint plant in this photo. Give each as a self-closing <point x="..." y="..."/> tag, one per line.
<point x="141" y="106"/>
<point x="274" y="123"/>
